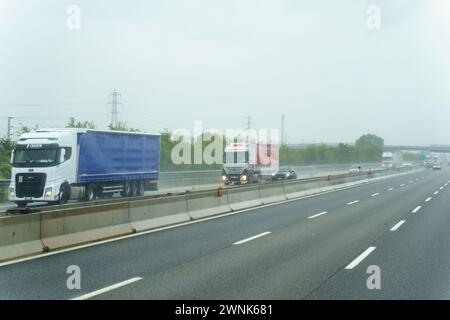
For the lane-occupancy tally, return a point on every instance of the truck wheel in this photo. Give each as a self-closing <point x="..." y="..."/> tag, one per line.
<point x="90" y="192"/>
<point x="64" y="194"/>
<point x="141" y="188"/>
<point x="126" y="189"/>
<point x="153" y="186"/>
<point x="134" y="189"/>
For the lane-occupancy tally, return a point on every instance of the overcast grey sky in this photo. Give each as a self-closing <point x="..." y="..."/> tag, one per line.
<point x="176" y="61"/>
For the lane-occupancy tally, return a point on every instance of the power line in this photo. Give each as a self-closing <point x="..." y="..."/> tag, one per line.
<point x="15" y="105"/>
<point x="248" y="125"/>
<point x="114" y="104"/>
<point x="8" y="131"/>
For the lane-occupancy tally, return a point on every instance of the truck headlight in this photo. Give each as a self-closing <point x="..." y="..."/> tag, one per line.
<point x="224" y="178"/>
<point x="48" y="192"/>
<point x="244" y="178"/>
<point x="12" y="193"/>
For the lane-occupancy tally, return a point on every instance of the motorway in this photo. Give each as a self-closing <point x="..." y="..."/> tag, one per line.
<point x="313" y="248"/>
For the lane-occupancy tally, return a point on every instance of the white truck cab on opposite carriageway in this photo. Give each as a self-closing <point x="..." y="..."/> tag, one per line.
<point x="55" y="165"/>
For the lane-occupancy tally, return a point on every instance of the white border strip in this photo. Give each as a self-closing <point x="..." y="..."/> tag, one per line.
<point x="251" y="238"/>
<point x="360" y="258"/>
<point x="109" y="288"/>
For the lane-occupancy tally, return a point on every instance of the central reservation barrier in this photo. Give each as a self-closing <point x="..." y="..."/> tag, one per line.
<point x="25" y="235"/>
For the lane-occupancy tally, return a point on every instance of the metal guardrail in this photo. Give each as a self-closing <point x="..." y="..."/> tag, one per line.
<point x="194" y="179"/>
<point x="47" y="208"/>
<point x="171" y="179"/>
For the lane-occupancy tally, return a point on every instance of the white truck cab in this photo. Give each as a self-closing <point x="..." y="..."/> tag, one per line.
<point x="43" y="166"/>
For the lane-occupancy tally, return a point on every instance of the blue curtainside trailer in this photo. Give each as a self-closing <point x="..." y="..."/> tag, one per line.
<point x="117" y="156"/>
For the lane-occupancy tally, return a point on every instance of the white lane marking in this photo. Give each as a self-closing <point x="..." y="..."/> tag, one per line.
<point x="353" y="202"/>
<point x="445" y="184"/>
<point x="252" y="238"/>
<point x="398" y="225"/>
<point x="436" y="192"/>
<point x="183" y="224"/>
<point x="441" y="188"/>
<point x="402" y="185"/>
<point x="428" y="199"/>
<point x="317" y="215"/>
<point x="106" y="289"/>
<point x="376" y="194"/>
<point x="360" y="258"/>
<point x="416" y="209"/>
<point x="390" y="189"/>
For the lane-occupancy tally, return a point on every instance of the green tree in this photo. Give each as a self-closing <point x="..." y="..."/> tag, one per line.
<point x="344" y="153"/>
<point x="122" y="126"/>
<point x="369" y="147"/>
<point x="6" y="147"/>
<point x="73" y="123"/>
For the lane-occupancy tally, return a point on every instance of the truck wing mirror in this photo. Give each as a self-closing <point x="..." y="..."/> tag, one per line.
<point x="62" y="155"/>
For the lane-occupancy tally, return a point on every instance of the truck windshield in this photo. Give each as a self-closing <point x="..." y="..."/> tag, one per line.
<point x="235" y="157"/>
<point x="35" y="157"/>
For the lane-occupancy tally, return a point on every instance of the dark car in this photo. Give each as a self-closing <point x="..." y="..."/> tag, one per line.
<point x="284" y="173"/>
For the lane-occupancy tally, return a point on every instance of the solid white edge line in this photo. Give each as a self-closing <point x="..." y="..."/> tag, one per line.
<point x="251" y="238"/>
<point x="353" y="202"/>
<point x="106" y="289"/>
<point x="428" y="199"/>
<point x="360" y="258"/>
<point x="397" y="225"/>
<point x="416" y="209"/>
<point x="317" y="215"/>
<point x="139" y="234"/>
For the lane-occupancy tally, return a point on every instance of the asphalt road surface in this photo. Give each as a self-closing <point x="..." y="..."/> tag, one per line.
<point x="313" y="248"/>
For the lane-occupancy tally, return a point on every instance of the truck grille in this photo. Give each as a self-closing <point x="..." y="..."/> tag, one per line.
<point x="234" y="170"/>
<point x="30" y="184"/>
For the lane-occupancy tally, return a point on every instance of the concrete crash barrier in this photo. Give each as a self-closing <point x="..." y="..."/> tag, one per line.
<point x="20" y="236"/>
<point x="159" y="212"/>
<point x="243" y="197"/>
<point x="298" y="188"/>
<point x="68" y="227"/>
<point x="272" y="192"/>
<point x="206" y="204"/>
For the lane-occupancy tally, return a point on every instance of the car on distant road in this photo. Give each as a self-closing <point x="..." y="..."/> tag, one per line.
<point x="437" y="166"/>
<point x="407" y="165"/>
<point x="355" y="169"/>
<point x="284" y="173"/>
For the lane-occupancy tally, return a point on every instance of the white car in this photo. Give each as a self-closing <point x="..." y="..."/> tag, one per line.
<point x="437" y="166"/>
<point x="354" y="169"/>
<point x="407" y="165"/>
